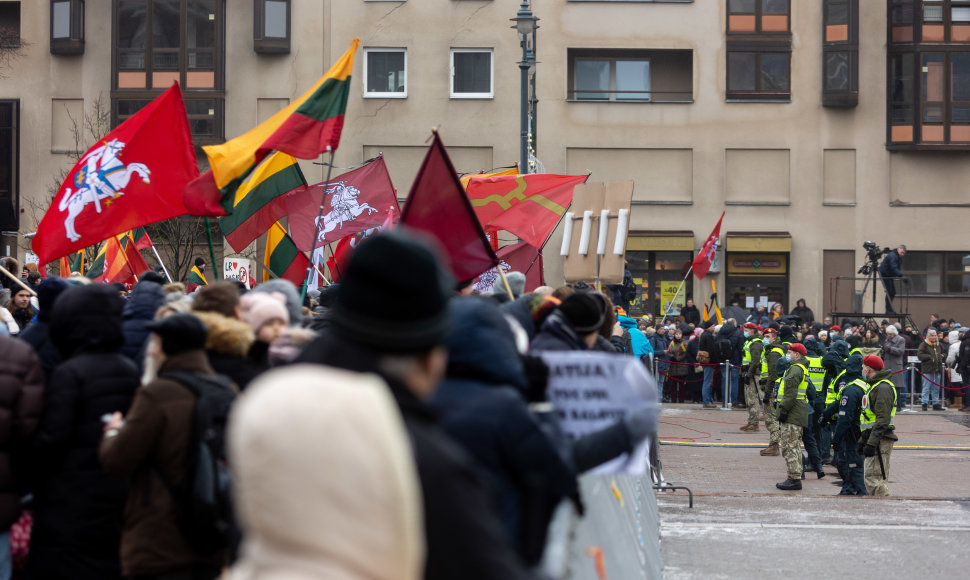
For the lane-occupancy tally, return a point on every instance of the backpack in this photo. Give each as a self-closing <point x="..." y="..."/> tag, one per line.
<point x="724" y="348"/>
<point x="203" y="501"/>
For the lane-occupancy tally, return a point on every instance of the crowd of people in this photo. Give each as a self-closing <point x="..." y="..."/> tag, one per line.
<point x="387" y="427"/>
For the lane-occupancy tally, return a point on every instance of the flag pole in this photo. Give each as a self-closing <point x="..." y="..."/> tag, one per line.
<point x="682" y="282"/>
<point x="17" y="280"/>
<point x="212" y="252"/>
<point x="316" y="224"/>
<point x="164" y="269"/>
<point x="505" y="281"/>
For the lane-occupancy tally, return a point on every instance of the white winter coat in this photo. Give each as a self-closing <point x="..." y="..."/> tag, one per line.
<point x="951" y="356"/>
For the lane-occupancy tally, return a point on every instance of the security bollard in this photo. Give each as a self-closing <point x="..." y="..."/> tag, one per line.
<point x="726" y="371"/>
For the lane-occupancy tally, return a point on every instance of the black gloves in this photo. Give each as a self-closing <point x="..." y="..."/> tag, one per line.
<point x="783" y="418"/>
<point x="869" y="450"/>
<point x="821" y="421"/>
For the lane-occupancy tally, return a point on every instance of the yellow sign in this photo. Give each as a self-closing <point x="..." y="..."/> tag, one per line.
<point x="668" y="294"/>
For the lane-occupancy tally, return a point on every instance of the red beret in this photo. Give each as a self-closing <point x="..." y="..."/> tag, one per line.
<point x="751" y="325"/>
<point x="760" y="328"/>
<point x="799" y="348"/>
<point x="835" y="327"/>
<point x="771" y="330"/>
<point x="874" y="362"/>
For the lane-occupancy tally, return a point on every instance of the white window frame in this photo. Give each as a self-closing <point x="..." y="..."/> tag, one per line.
<point x="377" y="95"/>
<point x="491" y="74"/>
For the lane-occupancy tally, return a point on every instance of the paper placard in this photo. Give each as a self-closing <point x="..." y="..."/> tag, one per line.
<point x="237" y="269"/>
<point x="593" y="390"/>
<point x="749" y="302"/>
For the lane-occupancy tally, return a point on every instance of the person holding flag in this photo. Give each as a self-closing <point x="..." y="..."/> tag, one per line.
<point x="196" y="276"/>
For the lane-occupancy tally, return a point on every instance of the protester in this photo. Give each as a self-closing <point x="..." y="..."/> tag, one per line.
<point x="21" y="400"/>
<point x="149" y="446"/>
<point x="893" y="352"/>
<point x="290" y="293"/>
<point x="20" y="308"/>
<point x="955" y="378"/>
<point x="37" y="334"/>
<point x="803" y="312"/>
<point x="391" y="318"/>
<point x="677" y="373"/>
<point x="348" y="505"/>
<point x="143" y="302"/>
<point x="77" y="505"/>
<point x="932" y="359"/>
<point x="230" y="339"/>
<point x="268" y="318"/>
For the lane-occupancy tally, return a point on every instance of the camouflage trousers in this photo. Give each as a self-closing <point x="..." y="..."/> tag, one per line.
<point x="752" y="396"/>
<point x="876" y="484"/>
<point x="771" y="422"/>
<point x="791" y="449"/>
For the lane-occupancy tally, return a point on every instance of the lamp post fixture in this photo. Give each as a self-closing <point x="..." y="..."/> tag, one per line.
<point x="525" y="24"/>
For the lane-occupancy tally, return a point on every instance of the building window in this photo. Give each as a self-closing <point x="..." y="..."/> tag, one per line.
<point x="67" y="26"/>
<point x="936" y="273"/>
<point x="271" y="29"/>
<point x="759" y="16"/>
<point x="9" y="163"/>
<point x="158" y="42"/>
<point x="660" y="76"/>
<point x="759" y="50"/>
<point x="840" y="53"/>
<point x="759" y="75"/>
<point x="471" y="73"/>
<point x="385" y="73"/>
<point x="657" y="276"/>
<point x="945" y="21"/>
<point x="9" y="24"/>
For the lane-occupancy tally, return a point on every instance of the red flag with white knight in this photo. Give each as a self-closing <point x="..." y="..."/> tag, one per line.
<point x="357" y="200"/>
<point x="132" y="177"/>
<point x="702" y="263"/>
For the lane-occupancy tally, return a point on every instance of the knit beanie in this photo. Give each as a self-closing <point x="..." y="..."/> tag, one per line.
<point x="262" y="307"/>
<point x="47" y="293"/>
<point x="584" y="311"/>
<point x="394" y="294"/>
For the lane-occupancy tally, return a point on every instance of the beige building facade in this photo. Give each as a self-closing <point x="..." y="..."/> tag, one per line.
<point x="814" y="126"/>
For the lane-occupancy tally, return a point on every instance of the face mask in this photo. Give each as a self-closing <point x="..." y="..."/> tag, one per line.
<point x="788" y="358"/>
<point x="747" y="335"/>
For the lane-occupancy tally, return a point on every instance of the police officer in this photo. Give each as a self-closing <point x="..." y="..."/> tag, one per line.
<point x="816" y="399"/>
<point x="751" y="372"/>
<point x="769" y="368"/>
<point x="876" y="423"/>
<point x="847" y="428"/>
<point x="793" y="414"/>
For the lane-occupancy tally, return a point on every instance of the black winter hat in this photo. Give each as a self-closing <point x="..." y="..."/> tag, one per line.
<point x="393" y="294"/>
<point x="584" y="311"/>
<point x="48" y="291"/>
<point x="582" y="287"/>
<point x="199" y="262"/>
<point x="150" y="276"/>
<point x="179" y="333"/>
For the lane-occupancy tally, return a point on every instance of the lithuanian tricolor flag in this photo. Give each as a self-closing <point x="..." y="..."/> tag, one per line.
<point x="307" y="127"/>
<point x="142" y="241"/>
<point x="196" y="277"/>
<point x="251" y="210"/>
<point x="96" y="269"/>
<point x="282" y="258"/>
<point x="72" y="263"/>
<point x="117" y="261"/>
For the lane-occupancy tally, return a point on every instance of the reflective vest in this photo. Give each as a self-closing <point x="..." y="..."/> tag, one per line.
<point x="832" y="395"/>
<point x="857" y="351"/>
<point x="764" y="357"/>
<point x="867" y="419"/>
<point x="802" y="386"/>
<point x="816" y="372"/>
<point x="746" y="355"/>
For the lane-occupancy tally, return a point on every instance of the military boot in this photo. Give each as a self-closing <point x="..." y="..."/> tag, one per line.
<point x="789" y="484"/>
<point x="771" y="450"/>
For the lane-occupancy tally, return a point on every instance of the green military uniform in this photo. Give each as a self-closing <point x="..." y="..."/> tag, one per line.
<point x="751" y="365"/>
<point x="793" y="415"/>
<point x="878" y="430"/>
<point x="769" y="367"/>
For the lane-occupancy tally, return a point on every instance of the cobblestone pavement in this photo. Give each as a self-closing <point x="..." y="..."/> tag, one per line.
<point x="740" y="520"/>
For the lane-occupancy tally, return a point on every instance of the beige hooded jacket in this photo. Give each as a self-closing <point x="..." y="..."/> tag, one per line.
<point x="324" y="480"/>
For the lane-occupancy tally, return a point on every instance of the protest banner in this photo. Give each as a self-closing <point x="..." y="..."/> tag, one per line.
<point x="593" y="390"/>
<point x="237" y="269"/>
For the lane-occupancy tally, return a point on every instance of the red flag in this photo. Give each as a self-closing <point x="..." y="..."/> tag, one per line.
<point x="127" y="262"/>
<point x="438" y="205"/>
<point x="702" y="263"/>
<point x="528" y="206"/>
<point x="520" y="257"/>
<point x="356" y="201"/>
<point x="133" y="177"/>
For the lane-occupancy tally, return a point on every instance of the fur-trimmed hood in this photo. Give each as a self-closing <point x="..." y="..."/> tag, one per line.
<point x="227" y="336"/>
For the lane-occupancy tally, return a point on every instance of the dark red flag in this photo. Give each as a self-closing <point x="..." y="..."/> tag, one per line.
<point x="702" y="263"/>
<point x="357" y="200"/>
<point x="133" y="177"/>
<point x="438" y="205"/>
<point x="520" y="257"/>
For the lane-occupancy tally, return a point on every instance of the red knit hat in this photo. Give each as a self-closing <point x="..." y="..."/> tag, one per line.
<point x="799" y="348"/>
<point x="874" y="362"/>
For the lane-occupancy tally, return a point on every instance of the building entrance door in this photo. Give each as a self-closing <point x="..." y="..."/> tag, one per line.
<point x="757" y="280"/>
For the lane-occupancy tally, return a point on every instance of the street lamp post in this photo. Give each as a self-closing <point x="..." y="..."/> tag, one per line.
<point x="525" y="23"/>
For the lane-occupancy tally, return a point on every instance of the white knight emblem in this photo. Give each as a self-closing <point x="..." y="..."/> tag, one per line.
<point x="102" y="177"/>
<point x="344" y="208"/>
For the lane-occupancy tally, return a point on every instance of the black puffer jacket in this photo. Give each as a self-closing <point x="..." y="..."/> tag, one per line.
<point x="145" y="299"/>
<point x="77" y="506"/>
<point x="481" y="405"/>
<point x="21" y="398"/>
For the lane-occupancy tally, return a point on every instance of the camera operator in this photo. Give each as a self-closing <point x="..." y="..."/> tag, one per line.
<point x="890" y="269"/>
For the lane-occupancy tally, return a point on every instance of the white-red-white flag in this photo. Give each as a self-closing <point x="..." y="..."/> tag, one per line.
<point x="702" y="263"/>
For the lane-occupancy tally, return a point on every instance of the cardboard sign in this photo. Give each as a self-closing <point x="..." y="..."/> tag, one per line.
<point x="593" y="390"/>
<point x="595" y="198"/>
<point x="237" y="269"/>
